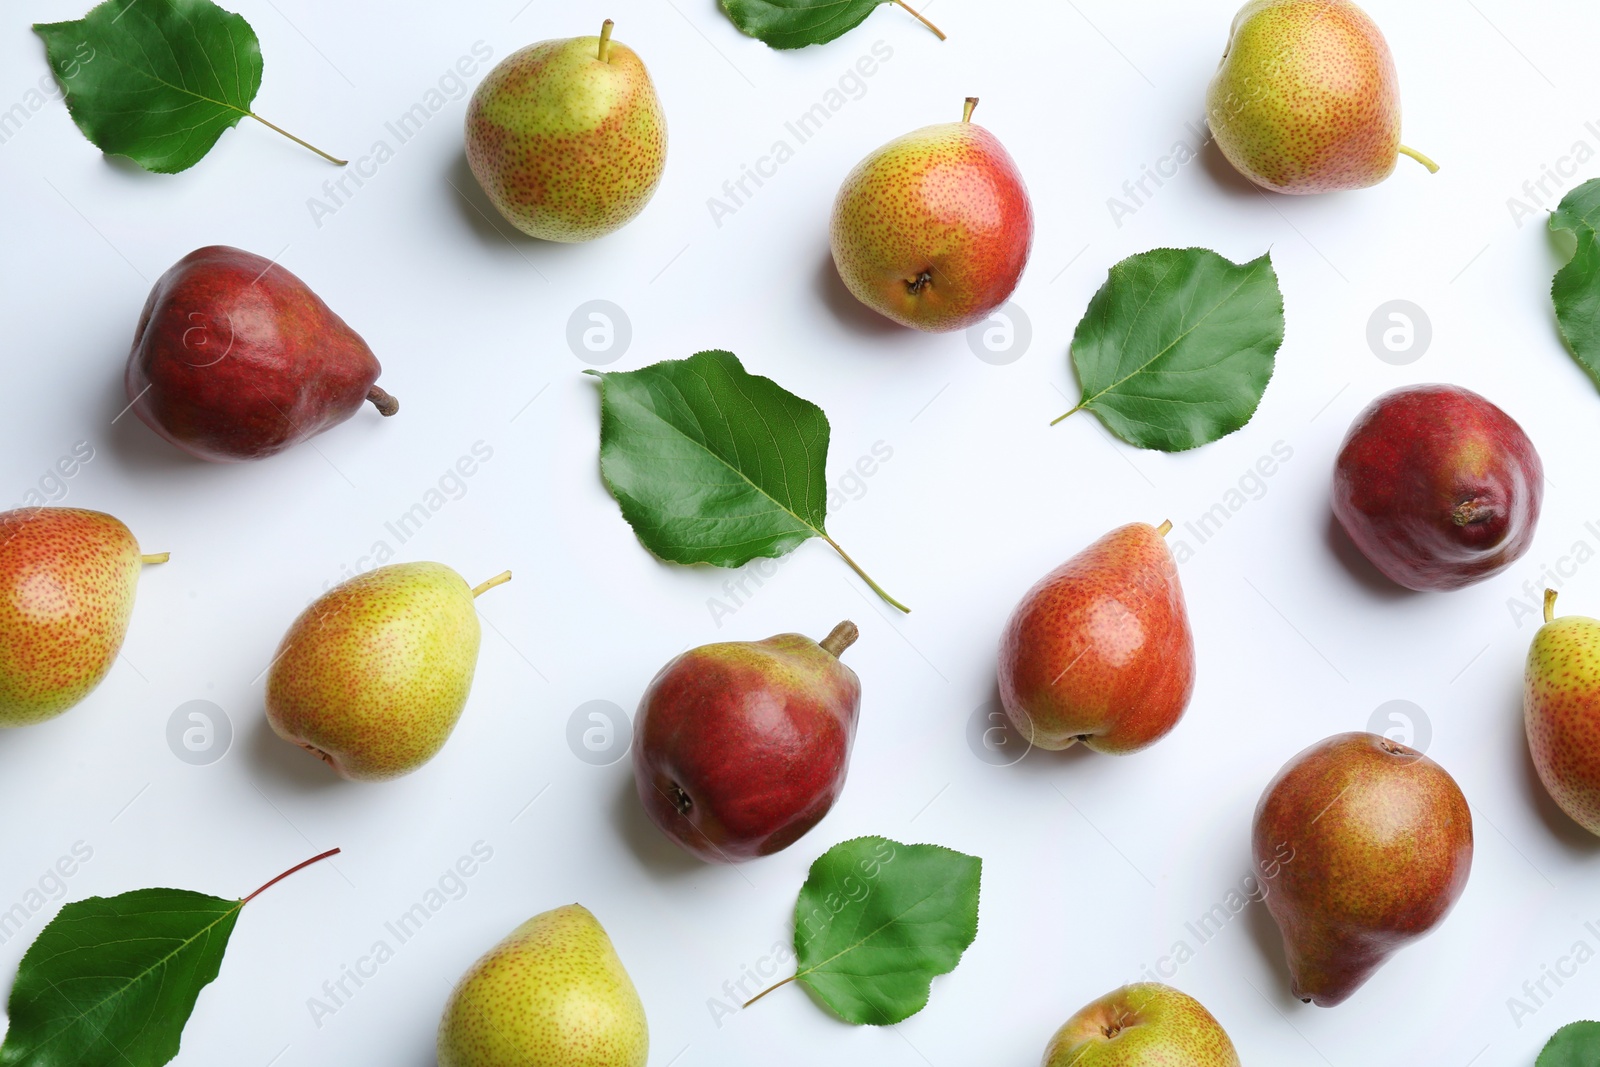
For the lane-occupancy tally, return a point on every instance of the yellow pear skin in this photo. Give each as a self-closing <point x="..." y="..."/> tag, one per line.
<point x="372" y="677"/>
<point x="553" y="994"/>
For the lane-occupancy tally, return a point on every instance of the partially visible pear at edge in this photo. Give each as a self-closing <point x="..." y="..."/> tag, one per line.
<point x="552" y="994"/>
<point x="1561" y="712"/>
<point x="1143" y="1025"/>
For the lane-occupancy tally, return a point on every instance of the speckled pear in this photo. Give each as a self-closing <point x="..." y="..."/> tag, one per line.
<point x="568" y="138"/>
<point x="1306" y="98"/>
<point x="373" y="676"/>
<point x="67" y="580"/>
<point x="1144" y="1025"/>
<point x="553" y="994"/>
<point x="1561" y="711"/>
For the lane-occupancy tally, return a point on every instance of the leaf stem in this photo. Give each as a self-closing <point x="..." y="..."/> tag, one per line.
<point x="769" y="989"/>
<point x="876" y="588"/>
<point x="298" y="141"/>
<point x="292" y="870"/>
<point x="914" y="14"/>
<point x="1433" y="168"/>
<point x="1068" y="415"/>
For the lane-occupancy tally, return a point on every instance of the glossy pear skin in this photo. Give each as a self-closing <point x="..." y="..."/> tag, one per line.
<point x="235" y="358"/>
<point x="1438" y="487"/>
<point x="740" y="748"/>
<point x="1306" y="99"/>
<point x="1143" y="1025"/>
<point x="568" y="146"/>
<point x="1561" y="710"/>
<point x="934" y="229"/>
<point x="1370" y="845"/>
<point x="67" y="580"/>
<point x="1100" y="650"/>
<point x="372" y="677"/>
<point x="552" y="994"/>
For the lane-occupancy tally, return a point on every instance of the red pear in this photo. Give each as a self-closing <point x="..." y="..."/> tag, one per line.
<point x="740" y="748"/>
<point x="235" y="358"/>
<point x="1099" y="651"/>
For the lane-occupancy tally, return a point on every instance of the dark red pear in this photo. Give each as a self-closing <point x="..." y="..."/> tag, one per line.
<point x="235" y="358"/>
<point x="740" y="748"/>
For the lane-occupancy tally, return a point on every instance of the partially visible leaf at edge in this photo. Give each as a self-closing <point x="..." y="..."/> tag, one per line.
<point x="712" y="464"/>
<point x="798" y="23"/>
<point x="1177" y="347"/>
<point x="1574" y="1045"/>
<point x="877" y="921"/>
<point x="111" y="981"/>
<point x="1576" y="289"/>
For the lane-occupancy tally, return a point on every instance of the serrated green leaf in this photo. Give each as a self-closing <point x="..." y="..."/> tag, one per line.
<point x="798" y="23"/>
<point x="158" y="81"/>
<point x="712" y="464"/>
<point x="877" y="921"/>
<point x="111" y="981"/>
<point x="1177" y="347"/>
<point x="1576" y="289"/>
<point x="1574" y="1045"/>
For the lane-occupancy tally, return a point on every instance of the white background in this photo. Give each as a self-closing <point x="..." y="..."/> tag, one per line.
<point x="1092" y="864"/>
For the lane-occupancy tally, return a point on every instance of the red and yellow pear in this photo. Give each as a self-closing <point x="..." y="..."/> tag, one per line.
<point x="1143" y="1025"/>
<point x="1561" y="712"/>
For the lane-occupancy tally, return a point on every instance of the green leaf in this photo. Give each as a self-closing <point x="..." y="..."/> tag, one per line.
<point x="1574" y="1045"/>
<point x="1177" y="347"/>
<point x="798" y="23"/>
<point x="712" y="464"/>
<point x="877" y="921"/>
<point x="1576" y="290"/>
<point x="157" y="81"/>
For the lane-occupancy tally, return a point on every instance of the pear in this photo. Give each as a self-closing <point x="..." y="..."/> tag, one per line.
<point x="1144" y="1025"/>
<point x="372" y="677"/>
<point x="1100" y="651"/>
<point x="933" y="230"/>
<point x="1364" y="845"/>
<point x="553" y="994"/>
<point x="568" y="138"/>
<point x="67" y="579"/>
<point x="1306" y="98"/>
<point x="1561" y="710"/>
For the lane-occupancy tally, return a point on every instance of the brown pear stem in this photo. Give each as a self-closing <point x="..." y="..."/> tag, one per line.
<point x="385" y="403"/>
<point x="500" y="579"/>
<point x="769" y="989"/>
<point x="843" y="636"/>
<point x="972" y="105"/>
<point x="296" y="869"/>
<point x="298" y="141"/>
<point x="605" y="40"/>
<point x="155" y="557"/>
<point x="1549" y="605"/>
<point x="914" y="14"/>
<point x="1165" y="528"/>
<point x="1433" y="168"/>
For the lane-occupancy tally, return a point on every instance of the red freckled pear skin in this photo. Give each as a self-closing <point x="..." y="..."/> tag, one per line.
<point x="1143" y="1025"/>
<point x="1364" y="846"/>
<point x="1306" y="99"/>
<point x="1100" y="651"/>
<point x="740" y="748"/>
<point x="67" y="579"/>
<point x="933" y="230"/>
<point x="568" y="138"/>
<point x="373" y="676"/>
<point x="1561" y="710"/>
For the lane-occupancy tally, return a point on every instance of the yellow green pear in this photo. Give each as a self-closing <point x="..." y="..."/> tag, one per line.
<point x="1143" y="1025"/>
<point x="67" y="579"/>
<point x="372" y="677"/>
<point x="553" y="994"/>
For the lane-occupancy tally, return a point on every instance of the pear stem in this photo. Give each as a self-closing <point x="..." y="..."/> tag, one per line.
<point x="1549" y="605"/>
<point x="1165" y="528"/>
<point x="876" y="588"/>
<point x="155" y="557"/>
<point x="914" y="14"/>
<point x="500" y="579"/>
<point x="770" y="989"/>
<point x="1433" y="168"/>
<point x="972" y="105"/>
<point x="297" y="868"/>
<point x="843" y="636"/>
<point x="605" y="40"/>
<point x="298" y="141"/>
<point x="385" y="402"/>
